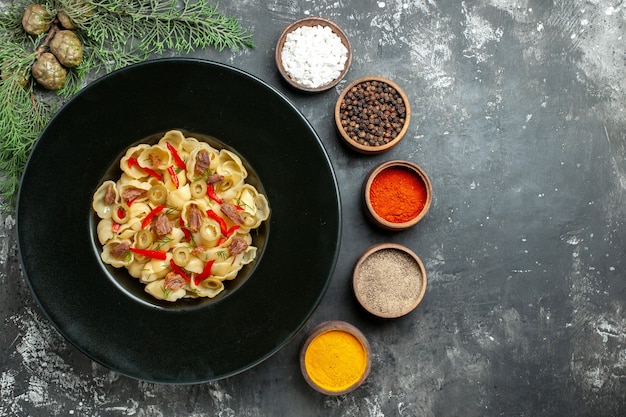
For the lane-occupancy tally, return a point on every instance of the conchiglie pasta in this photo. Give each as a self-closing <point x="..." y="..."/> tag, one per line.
<point x="153" y="270"/>
<point x="139" y="210"/>
<point x="158" y="290"/>
<point x="110" y="257"/>
<point x="104" y="230"/>
<point x="134" y="190"/>
<point x="135" y="269"/>
<point x="174" y="137"/>
<point x="155" y="157"/>
<point x="233" y="180"/>
<point x="170" y="241"/>
<point x="127" y="162"/>
<point x="129" y="229"/>
<point x="227" y="156"/>
<point x="210" y="287"/>
<point x="104" y="208"/>
<point x="177" y="198"/>
<point x="195" y="265"/>
<point x="228" y="269"/>
<point x="194" y="171"/>
<point x="255" y="206"/>
<point x="178" y="241"/>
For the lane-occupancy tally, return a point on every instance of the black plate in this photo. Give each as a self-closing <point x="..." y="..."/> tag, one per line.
<point x="193" y="341"/>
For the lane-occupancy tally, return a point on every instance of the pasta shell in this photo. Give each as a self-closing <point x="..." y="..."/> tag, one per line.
<point x="225" y="270"/>
<point x="174" y="138"/>
<point x="129" y="230"/>
<point x="234" y="177"/>
<point x="255" y="207"/>
<point x="135" y="269"/>
<point x="127" y="188"/>
<point x="154" y="269"/>
<point x="108" y="257"/>
<point x="227" y="156"/>
<point x="177" y="198"/>
<point x="189" y="144"/>
<point x="210" y="287"/>
<point x="104" y="230"/>
<point x="139" y="210"/>
<point x="99" y="205"/>
<point x="192" y="160"/>
<point x="155" y="157"/>
<point x="158" y="291"/>
<point x="130" y="169"/>
<point x="170" y="241"/>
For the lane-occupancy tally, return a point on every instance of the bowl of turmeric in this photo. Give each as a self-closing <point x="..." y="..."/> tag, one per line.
<point x="397" y="195"/>
<point x="335" y="358"/>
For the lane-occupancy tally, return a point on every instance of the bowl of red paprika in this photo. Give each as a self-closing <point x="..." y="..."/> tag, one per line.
<point x="397" y="195"/>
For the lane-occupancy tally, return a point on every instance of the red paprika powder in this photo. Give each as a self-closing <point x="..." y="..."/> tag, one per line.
<point x="398" y="194"/>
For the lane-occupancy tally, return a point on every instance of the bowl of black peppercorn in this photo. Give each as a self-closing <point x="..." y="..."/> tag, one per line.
<point x="372" y="114"/>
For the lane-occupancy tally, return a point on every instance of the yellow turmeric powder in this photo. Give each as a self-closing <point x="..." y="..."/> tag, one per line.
<point x="335" y="360"/>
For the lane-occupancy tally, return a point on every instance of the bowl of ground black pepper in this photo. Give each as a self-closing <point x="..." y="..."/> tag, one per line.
<point x="397" y="194"/>
<point x="313" y="54"/>
<point x="389" y="280"/>
<point x="372" y="114"/>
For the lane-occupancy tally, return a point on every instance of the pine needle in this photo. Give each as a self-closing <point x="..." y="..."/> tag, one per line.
<point x="114" y="34"/>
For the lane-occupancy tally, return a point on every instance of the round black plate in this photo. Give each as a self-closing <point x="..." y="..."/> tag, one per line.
<point x="178" y="343"/>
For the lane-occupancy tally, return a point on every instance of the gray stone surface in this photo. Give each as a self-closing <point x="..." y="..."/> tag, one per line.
<point x="518" y="118"/>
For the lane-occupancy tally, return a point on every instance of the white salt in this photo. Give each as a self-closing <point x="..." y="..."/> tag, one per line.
<point x="313" y="56"/>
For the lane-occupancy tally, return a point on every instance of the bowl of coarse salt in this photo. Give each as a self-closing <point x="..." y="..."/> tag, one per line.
<point x="313" y="54"/>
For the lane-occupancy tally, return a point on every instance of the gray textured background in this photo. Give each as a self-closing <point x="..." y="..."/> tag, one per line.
<point x="518" y="118"/>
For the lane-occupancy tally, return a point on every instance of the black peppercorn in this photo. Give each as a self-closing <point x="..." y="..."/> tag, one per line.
<point x="372" y="113"/>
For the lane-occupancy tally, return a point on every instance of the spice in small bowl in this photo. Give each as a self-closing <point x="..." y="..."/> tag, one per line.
<point x="389" y="280"/>
<point x="313" y="54"/>
<point x="372" y="115"/>
<point x="397" y="195"/>
<point x="335" y="358"/>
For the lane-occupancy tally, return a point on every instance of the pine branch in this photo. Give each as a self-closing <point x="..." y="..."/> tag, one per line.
<point x="114" y="34"/>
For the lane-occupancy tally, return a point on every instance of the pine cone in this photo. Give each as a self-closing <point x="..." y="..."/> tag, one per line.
<point x="7" y="72"/>
<point x="73" y="12"/>
<point x="36" y="19"/>
<point x="67" y="48"/>
<point x="65" y="20"/>
<point x="49" y="72"/>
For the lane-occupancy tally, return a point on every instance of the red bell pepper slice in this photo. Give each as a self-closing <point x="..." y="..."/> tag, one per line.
<point x="133" y="161"/>
<point x="217" y="218"/>
<point x="148" y="219"/>
<point x="115" y="227"/>
<point x="228" y="233"/>
<point x="206" y="272"/>
<point x="210" y="191"/>
<point x="173" y="175"/>
<point x="185" y="230"/>
<point x="177" y="159"/>
<point x="154" y="254"/>
<point x="178" y="270"/>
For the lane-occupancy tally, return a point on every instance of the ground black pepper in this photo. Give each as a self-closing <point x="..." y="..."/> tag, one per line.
<point x="372" y="113"/>
<point x="388" y="282"/>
